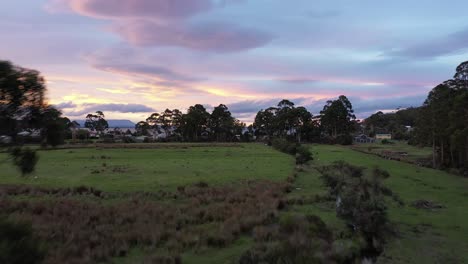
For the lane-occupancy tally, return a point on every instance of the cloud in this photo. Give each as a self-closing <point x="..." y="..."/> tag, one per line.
<point x="120" y="108"/>
<point x="451" y="44"/>
<point x="65" y="105"/>
<point x="163" y="9"/>
<point x="363" y="107"/>
<point x="166" y="23"/>
<point x="144" y="70"/>
<point x="218" y="37"/>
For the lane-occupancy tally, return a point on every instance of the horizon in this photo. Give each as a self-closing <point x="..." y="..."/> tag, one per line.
<point x="132" y="58"/>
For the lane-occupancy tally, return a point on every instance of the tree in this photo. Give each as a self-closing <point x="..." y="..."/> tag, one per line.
<point x="462" y="72"/>
<point x="301" y="119"/>
<point x="265" y="122"/>
<point x="443" y="122"/>
<point x="337" y="117"/>
<point x="194" y="122"/>
<point x="142" y="128"/>
<point x="221" y="123"/>
<point x="22" y="93"/>
<point x="96" y="122"/>
<point x="285" y="120"/>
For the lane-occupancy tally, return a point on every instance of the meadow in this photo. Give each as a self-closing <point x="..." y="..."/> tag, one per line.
<point x="208" y="203"/>
<point x="424" y="235"/>
<point x="151" y="168"/>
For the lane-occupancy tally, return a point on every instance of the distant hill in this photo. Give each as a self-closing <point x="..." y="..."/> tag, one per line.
<point x="113" y="123"/>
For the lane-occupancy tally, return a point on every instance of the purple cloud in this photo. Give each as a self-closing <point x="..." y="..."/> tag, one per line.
<point x="143" y="69"/>
<point x="65" y="105"/>
<point x="120" y="108"/>
<point x="451" y="44"/>
<point x="219" y="37"/>
<point x="163" y="9"/>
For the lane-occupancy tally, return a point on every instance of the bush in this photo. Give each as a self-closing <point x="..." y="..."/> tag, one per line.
<point x="360" y="200"/>
<point x="108" y="139"/>
<point x="55" y="134"/>
<point x="82" y="134"/>
<point x="344" y="140"/>
<point x="303" y="155"/>
<point x="17" y="244"/>
<point x="284" y="146"/>
<point x="387" y="142"/>
<point x="128" y="139"/>
<point x="24" y="159"/>
<point x="299" y="239"/>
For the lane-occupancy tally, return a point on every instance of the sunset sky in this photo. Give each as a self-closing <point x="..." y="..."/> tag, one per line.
<point x="129" y="58"/>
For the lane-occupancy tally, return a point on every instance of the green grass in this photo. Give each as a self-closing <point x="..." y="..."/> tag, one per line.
<point x="438" y="236"/>
<point x="414" y="153"/>
<point x="124" y="170"/>
<point x="425" y="236"/>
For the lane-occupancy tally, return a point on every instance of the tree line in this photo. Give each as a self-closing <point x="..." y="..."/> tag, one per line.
<point x="197" y="124"/>
<point x="441" y="122"/>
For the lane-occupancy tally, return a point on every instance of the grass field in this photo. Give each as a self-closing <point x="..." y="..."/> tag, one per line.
<point x="413" y="154"/>
<point x="425" y="236"/>
<point x="166" y="167"/>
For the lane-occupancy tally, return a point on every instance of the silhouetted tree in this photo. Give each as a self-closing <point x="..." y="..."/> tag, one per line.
<point x="221" y="123"/>
<point x="337" y="117"/>
<point x="22" y="93"/>
<point x="96" y="122"/>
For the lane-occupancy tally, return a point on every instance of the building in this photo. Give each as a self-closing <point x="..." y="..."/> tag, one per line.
<point x="363" y="139"/>
<point x="383" y="136"/>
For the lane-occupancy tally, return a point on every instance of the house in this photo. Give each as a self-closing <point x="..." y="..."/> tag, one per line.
<point x="383" y="136"/>
<point x="363" y="139"/>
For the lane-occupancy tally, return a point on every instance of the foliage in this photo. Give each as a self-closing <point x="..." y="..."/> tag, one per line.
<point x="142" y="128"/>
<point x="443" y="124"/>
<point x="25" y="159"/>
<point x="89" y="231"/>
<point x="55" y="134"/>
<point x="18" y="245"/>
<point x="22" y="106"/>
<point x="360" y="200"/>
<point x="284" y="120"/>
<point x="302" y="153"/>
<point x="298" y="239"/>
<point x="387" y="142"/>
<point x="194" y="123"/>
<point x="344" y="139"/>
<point x="394" y="123"/>
<point x="96" y="122"/>
<point x="337" y="117"/>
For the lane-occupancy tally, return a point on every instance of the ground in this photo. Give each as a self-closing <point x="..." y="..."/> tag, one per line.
<point x="151" y="169"/>
<point x="436" y="235"/>
<point x="424" y="236"/>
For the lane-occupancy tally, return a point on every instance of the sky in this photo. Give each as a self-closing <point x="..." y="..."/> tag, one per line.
<point x="130" y="58"/>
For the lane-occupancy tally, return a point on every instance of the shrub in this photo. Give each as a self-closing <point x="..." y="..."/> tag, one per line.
<point x="299" y="239"/>
<point x="82" y="134"/>
<point x="284" y="146"/>
<point x="18" y="245"/>
<point x="108" y="139"/>
<point x="25" y="159"/>
<point x="128" y="139"/>
<point x="387" y="142"/>
<point x="303" y="155"/>
<point x="55" y="134"/>
<point x="344" y="140"/>
<point x="360" y="200"/>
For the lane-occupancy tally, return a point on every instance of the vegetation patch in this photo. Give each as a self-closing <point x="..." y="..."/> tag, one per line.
<point x="92" y="231"/>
